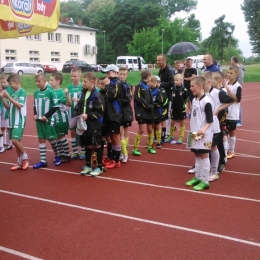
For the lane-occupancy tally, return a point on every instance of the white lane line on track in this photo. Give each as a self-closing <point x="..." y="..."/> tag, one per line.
<point x="152" y="185"/>
<point x="246" y="99"/>
<point x="14" y="252"/>
<point x="142" y="220"/>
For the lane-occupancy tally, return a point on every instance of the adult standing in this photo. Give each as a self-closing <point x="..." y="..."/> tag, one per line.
<point x="188" y="74"/>
<point x="240" y="80"/>
<point x="177" y="67"/>
<point x="209" y="64"/>
<point x="166" y="74"/>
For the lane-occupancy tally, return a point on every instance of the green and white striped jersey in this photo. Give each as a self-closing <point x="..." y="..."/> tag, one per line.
<point x="17" y="117"/>
<point x="61" y="115"/>
<point x="3" y="111"/>
<point x="74" y="91"/>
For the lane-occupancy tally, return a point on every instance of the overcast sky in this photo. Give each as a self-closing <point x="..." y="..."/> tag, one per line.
<point x="209" y="10"/>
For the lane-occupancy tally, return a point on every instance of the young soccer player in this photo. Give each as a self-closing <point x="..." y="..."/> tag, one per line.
<point x="158" y="101"/>
<point x="234" y="90"/>
<point x="60" y="117"/>
<point x="127" y="113"/>
<point x="180" y="97"/>
<point x="143" y="103"/>
<point x="45" y="105"/>
<point x="219" y="102"/>
<point x="17" y="119"/>
<point x="74" y="90"/>
<point x="91" y="108"/>
<point x="2" y="149"/>
<point x="200" y="123"/>
<point x="4" y="115"/>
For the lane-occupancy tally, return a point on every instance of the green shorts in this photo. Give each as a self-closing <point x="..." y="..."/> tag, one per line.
<point x="45" y="131"/>
<point x="16" y="133"/>
<point x="62" y="128"/>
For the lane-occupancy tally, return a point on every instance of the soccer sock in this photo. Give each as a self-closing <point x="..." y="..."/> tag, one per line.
<point x="137" y="141"/>
<point x="99" y="156"/>
<point x="172" y="131"/>
<point x="231" y="143"/>
<point x="197" y="167"/>
<point x="150" y="141"/>
<point x="225" y="143"/>
<point x="24" y="156"/>
<point x="88" y="153"/>
<point x="42" y="148"/>
<point x="110" y="151"/>
<point x="74" y="145"/>
<point x="117" y="151"/>
<point x="54" y="147"/>
<point x="126" y="142"/>
<point x="1" y="141"/>
<point x="163" y="133"/>
<point x="4" y="138"/>
<point x="204" y="171"/>
<point x="65" y="145"/>
<point x="214" y="161"/>
<point x="103" y="145"/>
<point x="8" y="141"/>
<point x="82" y="149"/>
<point x="123" y="147"/>
<point x="182" y="130"/>
<point x="158" y="136"/>
<point x="60" y="148"/>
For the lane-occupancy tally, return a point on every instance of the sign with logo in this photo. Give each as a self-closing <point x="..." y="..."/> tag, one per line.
<point x="27" y="17"/>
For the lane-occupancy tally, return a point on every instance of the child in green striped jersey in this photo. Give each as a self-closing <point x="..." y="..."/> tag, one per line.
<point x="60" y="117"/>
<point x="45" y="105"/>
<point x="17" y="119"/>
<point x="74" y="90"/>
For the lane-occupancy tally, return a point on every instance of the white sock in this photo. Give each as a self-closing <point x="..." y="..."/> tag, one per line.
<point x="214" y="161"/>
<point x="225" y="143"/>
<point x="1" y="141"/>
<point x="205" y="166"/>
<point x="197" y="167"/>
<point x="231" y="143"/>
<point x="4" y="137"/>
<point x="24" y="156"/>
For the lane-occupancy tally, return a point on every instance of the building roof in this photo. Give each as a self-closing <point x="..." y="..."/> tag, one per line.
<point x="75" y="26"/>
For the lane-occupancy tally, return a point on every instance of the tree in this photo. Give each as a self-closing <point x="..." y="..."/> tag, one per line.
<point x="251" y="10"/>
<point x="105" y="53"/>
<point x="71" y="9"/>
<point x="194" y="25"/>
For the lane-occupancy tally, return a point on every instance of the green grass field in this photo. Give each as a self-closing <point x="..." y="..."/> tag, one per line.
<point x="252" y="74"/>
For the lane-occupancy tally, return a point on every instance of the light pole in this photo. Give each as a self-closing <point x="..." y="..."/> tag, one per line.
<point x="162" y="40"/>
<point x="104" y="43"/>
<point x="229" y="42"/>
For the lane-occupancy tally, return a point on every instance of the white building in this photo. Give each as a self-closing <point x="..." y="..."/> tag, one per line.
<point x="69" y="42"/>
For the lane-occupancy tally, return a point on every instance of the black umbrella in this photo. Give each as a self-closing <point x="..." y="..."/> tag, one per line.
<point x="182" y="47"/>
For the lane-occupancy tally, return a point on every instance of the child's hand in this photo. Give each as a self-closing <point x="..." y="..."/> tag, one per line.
<point x="201" y="131"/>
<point x="35" y="117"/>
<point x="5" y="95"/>
<point x="44" y="119"/>
<point x="74" y="99"/>
<point x="84" y="116"/>
<point x="66" y="91"/>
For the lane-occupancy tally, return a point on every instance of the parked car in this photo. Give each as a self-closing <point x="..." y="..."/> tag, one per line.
<point x="3" y="69"/>
<point x="40" y="66"/>
<point x="76" y="64"/>
<point x="96" y="67"/>
<point x="22" y="68"/>
<point x="50" y="68"/>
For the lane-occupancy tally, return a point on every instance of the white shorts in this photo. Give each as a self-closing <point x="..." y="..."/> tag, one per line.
<point x="4" y="122"/>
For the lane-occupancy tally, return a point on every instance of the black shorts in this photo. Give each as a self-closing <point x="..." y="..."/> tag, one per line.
<point x="142" y="121"/>
<point x="104" y="131"/>
<point x="112" y="127"/>
<point x="165" y="110"/>
<point x="178" y="115"/>
<point x="231" y="124"/>
<point x="126" y="123"/>
<point x="200" y="151"/>
<point x="215" y="139"/>
<point x="156" y="122"/>
<point x="86" y="140"/>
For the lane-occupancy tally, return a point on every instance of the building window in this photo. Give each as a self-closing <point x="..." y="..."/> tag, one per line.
<point x="34" y="59"/>
<point x="77" y="39"/>
<point x="10" y="58"/>
<point x="73" y="59"/>
<point x="10" y="52"/>
<point x="34" y="53"/>
<point x="70" y="38"/>
<point x="50" y="37"/>
<point x="55" y="60"/>
<point x="58" y="37"/>
<point x="29" y="37"/>
<point x="37" y="37"/>
<point x="74" y="54"/>
<point x="55" y="53"/>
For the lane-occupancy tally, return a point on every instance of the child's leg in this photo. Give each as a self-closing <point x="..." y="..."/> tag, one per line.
<point x="109" y="148"/>
<point x="8" y="139"/>
<point x="221" y="148"/>
<point x="138" y="138"/>
<point x="149" y="128"/>
<point x="42" y="147"/>
<point x="225" y="144"/>
<point x="99" y="156"/>
<point x="163" y="131"/>
<point x="1" y="142"/>
<point x="157" y="129"/>
<point x="88" y="168"/>
<point x="116" y="146"/>
<point x="122" y="141"/>
<point x="126" y="136"/>
<point x="205" y="167"/>
<point x="231" y="143"/>
<point x="21" y="154"/>
<point x="75" y="153"/>
<point x="182" y="130"/>
<point x="214" y="160"/>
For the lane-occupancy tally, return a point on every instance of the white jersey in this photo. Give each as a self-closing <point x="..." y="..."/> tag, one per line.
<point x="233" y="110"/>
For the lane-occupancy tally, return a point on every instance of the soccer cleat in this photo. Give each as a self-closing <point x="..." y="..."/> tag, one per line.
<point x="194" y="181"/>
<point x="201" y="186"/>
<point x="169" y="139"/>
<point x="112" y="164"/>
<point x="151" y="150"/>
<point x="213" y="177"/>
<point x="105" y="160"/>
<point x="158" y="146"/>
<point x="121" y="157"/>
<point x="8" y="147"/>
<point x="230" y="155"/>
<point x="125" y="159"/>
<point x="82" y="155"/>
<point x="86" y="171"/>
<point x="192" y="170"/>
<point x="57" y="160"/>
<point x="136" y="152"/>
<point x="221" y="168"/>
<point x="40" y="165"/>
<point x="2" y="149"/>
<point x="25" y="164"/>
<point x="74" y="156"/>
<point x="16" y="167"/>
<point x="96" y="172"/>
<point x="65" y="159"/>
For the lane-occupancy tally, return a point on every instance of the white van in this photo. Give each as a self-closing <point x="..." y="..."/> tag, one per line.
<point x="197" y="61"/>
<point x="132" y="63"/>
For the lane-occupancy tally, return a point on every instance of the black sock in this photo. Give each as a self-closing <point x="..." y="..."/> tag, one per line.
<point x="88" y="153"/>
<point x="110" y="151"/>
<point x="163" y="133"/>
<point x="117" y="156"/>
<point x="99" y="157"/>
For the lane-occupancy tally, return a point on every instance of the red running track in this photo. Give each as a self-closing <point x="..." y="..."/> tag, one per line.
<point x="139" y="211"/>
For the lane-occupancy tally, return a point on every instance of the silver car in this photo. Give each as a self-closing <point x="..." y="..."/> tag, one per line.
<point x="22" y="68"/>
